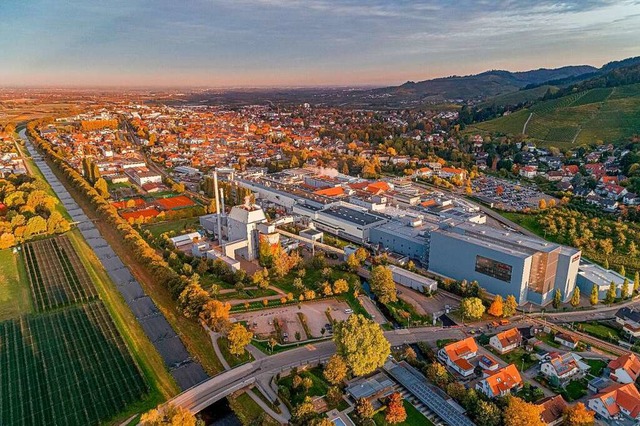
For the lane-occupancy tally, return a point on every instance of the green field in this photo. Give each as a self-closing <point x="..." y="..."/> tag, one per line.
<point x="56" y="274"/>
<point x="178" y="226"/>
<point x="605" y="114"/>
<point x="414" y="417"/>
<point x="249" y="412"/>
<point x="14" y="291"/>
<point x="69" y="366"/>
<point x="233" y="360"/>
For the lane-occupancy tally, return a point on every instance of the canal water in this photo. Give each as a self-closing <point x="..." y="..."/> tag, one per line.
<point x="220" y="414"/>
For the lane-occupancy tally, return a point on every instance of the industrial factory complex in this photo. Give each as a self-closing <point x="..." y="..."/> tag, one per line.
<point x="445" y="234"/>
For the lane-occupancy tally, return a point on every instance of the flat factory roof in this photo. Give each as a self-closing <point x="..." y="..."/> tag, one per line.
<point x="353" y="216"/>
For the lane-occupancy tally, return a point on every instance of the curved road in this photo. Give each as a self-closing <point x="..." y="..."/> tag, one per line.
<point x="201" y="396"/>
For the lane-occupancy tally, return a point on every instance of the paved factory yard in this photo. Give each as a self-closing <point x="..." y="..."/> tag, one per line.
<point x="262" y="322"/>
<point x="428" y="305"/>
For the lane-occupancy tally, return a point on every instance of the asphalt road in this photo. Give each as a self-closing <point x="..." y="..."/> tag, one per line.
<point x="218" y="387"/>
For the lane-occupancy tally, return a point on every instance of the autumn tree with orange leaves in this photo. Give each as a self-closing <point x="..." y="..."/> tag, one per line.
<point x="215" y="315"/>
<point x="497" y="307"/>
<point x="578" y="415"/>
<point x="521" y="413"/>
<point x="395" y="412"/>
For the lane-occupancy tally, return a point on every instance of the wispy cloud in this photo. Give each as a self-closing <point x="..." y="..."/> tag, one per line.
<point x="306" y="41"/>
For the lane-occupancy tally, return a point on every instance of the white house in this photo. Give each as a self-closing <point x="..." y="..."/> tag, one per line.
<point x="500" y="382"/>
<point x="456" y="355"/>
<point x="625" y="369"/>
<point x="566" y="340"/>
<point x="563" y="367"/>
<point x="618" y="401"/>
<point x="506" y="341"/>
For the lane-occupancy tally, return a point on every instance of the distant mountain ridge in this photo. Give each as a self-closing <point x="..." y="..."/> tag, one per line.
<point x="491" y="83"/>
<point x="479" y="86"/>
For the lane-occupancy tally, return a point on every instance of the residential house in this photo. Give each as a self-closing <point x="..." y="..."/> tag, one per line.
<point x="506" y="341"/>
<point x="528" y="171"/>
<point x="625" y="369"/>
<point x="553" y="408"/>
<point x="500" y="382"/>
<point x="487" y="363"/>
<point x="618" y="401"/>
<point x="563" y="367"/>
<point x="566" y="340"/>
<point x="447" y="172"/>
<point x="631" y="199"/>
<point x="629" y="318"/>
<point x="456" y="355"/>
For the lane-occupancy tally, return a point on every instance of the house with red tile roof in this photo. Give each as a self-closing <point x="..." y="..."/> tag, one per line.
<point x="506" y="341"/>
<point x="456" y="355"/>
<point x="500" y="382"/>
<point x="553" y="408"/>
<point x="625" y="369"/>
<point x="570" y="170"/>
<point x="447" y="172"/>
<point x="564" y="367"/>
<point x="618" y="401"/>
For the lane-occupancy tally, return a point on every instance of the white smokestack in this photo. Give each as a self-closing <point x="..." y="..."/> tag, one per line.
<point x="215" y="188"/>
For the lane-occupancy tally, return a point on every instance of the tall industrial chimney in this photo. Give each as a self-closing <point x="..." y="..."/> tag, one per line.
<point x="224" y="213"/>
<point x="215" y="188"/>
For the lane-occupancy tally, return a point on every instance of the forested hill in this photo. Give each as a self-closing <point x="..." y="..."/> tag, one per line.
<point x="478" y="86"/>
<point x="602" y="109"/>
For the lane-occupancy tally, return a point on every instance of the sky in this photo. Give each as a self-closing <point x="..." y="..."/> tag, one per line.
<point x="293" y="43"/>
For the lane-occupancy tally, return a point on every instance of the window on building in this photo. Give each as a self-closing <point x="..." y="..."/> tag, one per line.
<point x="493" y="268"/>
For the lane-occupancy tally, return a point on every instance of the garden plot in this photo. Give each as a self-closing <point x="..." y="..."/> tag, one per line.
<point x="56" y="275"/>
<point x="67" y="367"/>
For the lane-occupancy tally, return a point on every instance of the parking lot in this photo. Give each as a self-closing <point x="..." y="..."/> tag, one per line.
<point x="284" y="323"/>
<point x="507" y="195"/>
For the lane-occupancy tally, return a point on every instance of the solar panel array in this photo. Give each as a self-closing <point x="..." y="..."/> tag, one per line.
<point x="416" y="383"/>
<point x="186" y="371"/>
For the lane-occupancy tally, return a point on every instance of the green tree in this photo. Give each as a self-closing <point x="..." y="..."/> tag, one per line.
<point x="471" y="308"/>
<point x="575" y="297"/>
<point x="636" y="282"/>
<point x="557" y="299"/>
<point x="623" y="271"/>
<point x="361" y="343"/>
<point x="487" y="413"/>
<point x="594" y="295"/>
<point x="611" y="294"/>
<point x="437" y="373"/>
<point x="510" y="306"/>
<point x="382" y="284"/>
<point x="626" y="289"/>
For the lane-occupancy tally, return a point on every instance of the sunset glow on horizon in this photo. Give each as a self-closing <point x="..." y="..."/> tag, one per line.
<point x="263" y="43"/>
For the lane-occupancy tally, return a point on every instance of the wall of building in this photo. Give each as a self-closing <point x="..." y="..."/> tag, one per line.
<point x="399" y="243"/>
<point x="456" y="258"/>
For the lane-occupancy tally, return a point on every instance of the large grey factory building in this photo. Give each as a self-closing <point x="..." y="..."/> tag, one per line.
<point x="504" y="263"/>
